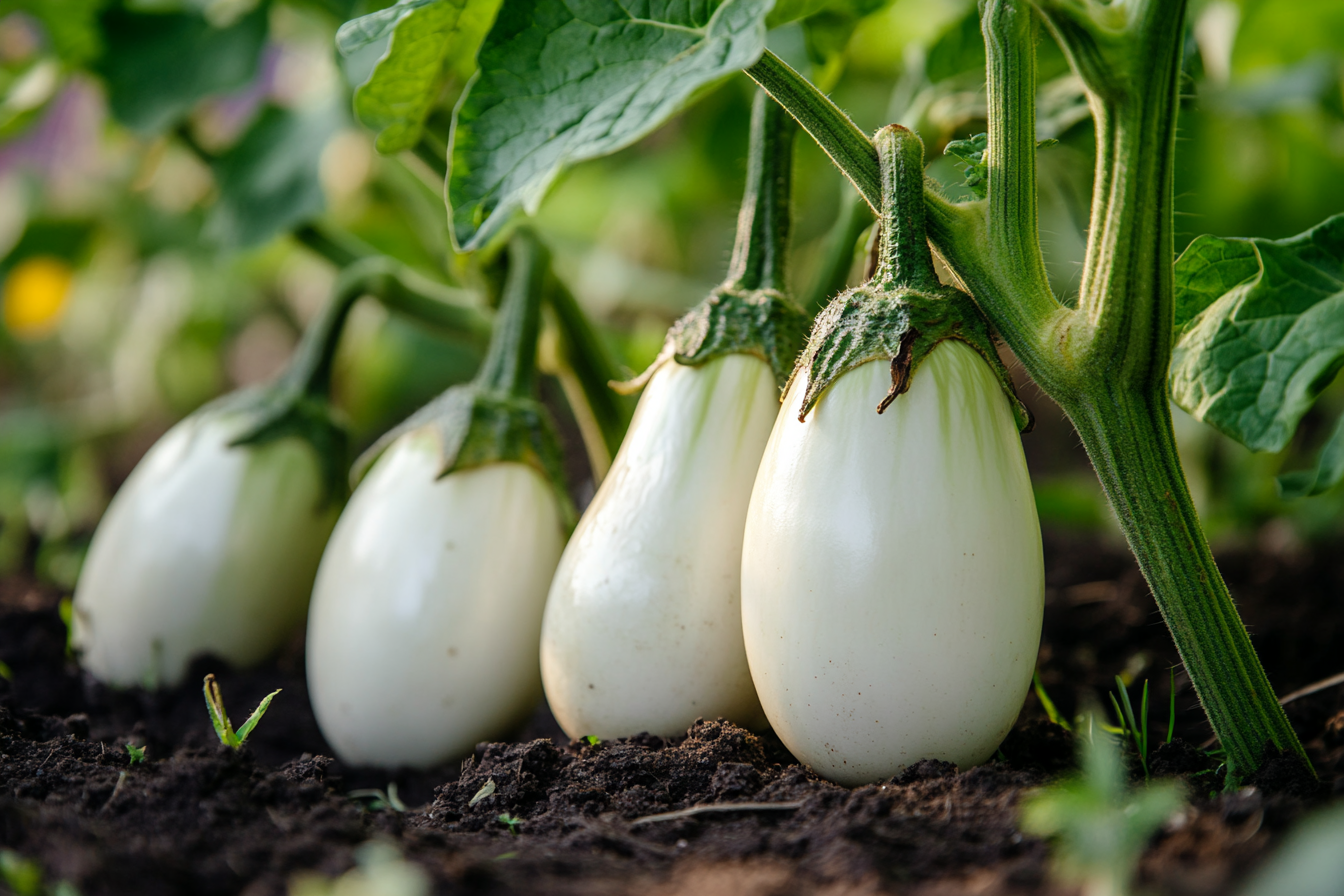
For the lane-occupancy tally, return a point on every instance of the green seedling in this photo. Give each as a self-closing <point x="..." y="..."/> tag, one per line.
<point x="66" y="609"/>
<point x="512" y="822"/>
<point x="593" y="740"/>
<point x="5" y="672"/>
<point x="380" y="799"/>
<point x="1047" y="704"/>
<point x="214" y="702"/>
<point x="137" y="753"/>
<point x="1134" y="729"/>
<point x="1099" y="826"/>
<point x="22" y="876"/>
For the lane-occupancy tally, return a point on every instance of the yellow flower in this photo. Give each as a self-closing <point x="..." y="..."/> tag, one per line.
<point x="34" y="296"/>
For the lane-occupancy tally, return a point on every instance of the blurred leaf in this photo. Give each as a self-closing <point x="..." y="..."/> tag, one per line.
<point x="268" y="181"/>
<point x="1263" y="330"/>
<point x="72" y="25"/>
<point x="157" y="67"/>
<point x="828" y="28"/>
<point x="1328" y="473"/>
<point x="1310" y="862"/>
<point x="960" y="49"/>
<point x="1314" y="82"/>
<point x="564" y="82"/>
<point x="423" y="37"/>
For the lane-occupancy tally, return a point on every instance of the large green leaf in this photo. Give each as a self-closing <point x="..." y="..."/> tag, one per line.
<point x="1328" y="472"/>
<point x="425" y="39"/>
<point x="1262" y="330"/>
<point x="566" y="80"/>
<point x="158" y="66"/>
<point x="268" y="181"/>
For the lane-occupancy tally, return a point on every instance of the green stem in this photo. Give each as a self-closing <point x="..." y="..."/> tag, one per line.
<point x="837" y="256"/>
<point x="764" y="221"/>
<point x="593" y="368"/>
<point x="904" y="259"/>
<point x="849" y="148"/>
<point x="510" y="364"/>
<point x="1130" y="441"/>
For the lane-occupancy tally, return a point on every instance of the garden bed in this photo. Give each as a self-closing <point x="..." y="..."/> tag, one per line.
<point x="197" y="818"/>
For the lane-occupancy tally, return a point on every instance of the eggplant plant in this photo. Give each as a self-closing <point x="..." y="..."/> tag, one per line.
<point x="212" y="543"/>
<point x="426" y="611"/>
<point x="1104" y="358"/>
<point x="643" y="627"/>
<point x="892" y="577"/>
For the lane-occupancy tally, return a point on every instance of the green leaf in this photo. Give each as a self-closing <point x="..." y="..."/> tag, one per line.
<point x="960" y="49"/>
<point x="257" y="713"/>
<point x="1263" y="331"/>
<point x="828" y="27"/>
<point x="424" y="38"/>
<point x="1328" y="473"/>
<point x="562" y="81"/>
<point x="268" y="181"/>
<point x="157" y="67"/>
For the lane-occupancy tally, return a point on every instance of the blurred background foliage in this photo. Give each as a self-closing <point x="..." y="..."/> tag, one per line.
<point x="157" y="158"/>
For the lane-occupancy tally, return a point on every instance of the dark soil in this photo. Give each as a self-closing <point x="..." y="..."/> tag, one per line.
<point x="196" y="818"/>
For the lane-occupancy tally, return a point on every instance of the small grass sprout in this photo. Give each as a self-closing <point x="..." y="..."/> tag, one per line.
<point x="379" y="799"/>
<point x="512" y="822"/>
<point x="1047" y="704"/>
<point x="1135" y="729"/>
<point x="214" y="702"/>
<point x="1099" y="826"/>
<point x="137" y="754"/>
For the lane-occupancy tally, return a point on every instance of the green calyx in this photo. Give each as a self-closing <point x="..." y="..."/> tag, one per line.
<point x="495" y="418"/>
<point x="278" y="412"/>
<point x="903" y="312"/>
<point x="749" y="313"/>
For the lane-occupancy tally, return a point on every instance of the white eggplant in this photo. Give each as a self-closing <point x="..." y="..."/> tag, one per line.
<point x="892" y="578"/>
<point x="207" y="548"/>
<point x="422" y="637"/>
<point x="643" y="628"/>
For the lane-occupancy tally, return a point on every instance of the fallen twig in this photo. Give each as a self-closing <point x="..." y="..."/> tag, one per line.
<point x="1313" y="688"/>
<point x="717" y="807"/>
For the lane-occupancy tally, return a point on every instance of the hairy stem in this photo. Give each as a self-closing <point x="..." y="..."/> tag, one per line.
<point x="764" y="221"/>
<point x="510" y="364"/>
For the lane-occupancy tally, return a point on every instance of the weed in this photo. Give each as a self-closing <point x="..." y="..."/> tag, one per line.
<point x="380" y="799"/>
<point x="137" y="753"/>
<point x="1047" y="704"/>
<point x="214" y="702"/>
<point x="512" y="822"/>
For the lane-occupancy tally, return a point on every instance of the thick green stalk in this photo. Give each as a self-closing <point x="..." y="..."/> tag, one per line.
<point x="764" y="221"/>
<point x="903" y="257"/>
<point x="510" y="364"/>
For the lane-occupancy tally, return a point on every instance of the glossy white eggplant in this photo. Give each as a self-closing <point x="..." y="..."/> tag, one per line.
<point x="643" y="626"/>
<point x="892" y="576"/>
<point x="206" y="548"/>
<point x="422" y="636"/>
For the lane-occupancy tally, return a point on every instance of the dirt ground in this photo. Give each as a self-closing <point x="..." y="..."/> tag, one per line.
<point x="196" y="818"/>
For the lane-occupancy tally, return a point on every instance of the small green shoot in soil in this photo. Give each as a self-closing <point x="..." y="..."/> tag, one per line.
<point x="137" y="754"/>
<point x="379" y="799"/>
<point x="1047" y="704"/>
<point x="214" y="702"/>
<point x="1099" y="826"/>
<point x="512" y="822"/>
<point x="24" y="877"/>
<point x="1136" y="731"/>
<point x="593" y="740"/>
<point x="5" y="672"/>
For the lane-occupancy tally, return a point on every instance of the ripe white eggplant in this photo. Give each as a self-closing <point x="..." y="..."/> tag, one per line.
<point x="643" y="627"/>
<point x="643" y="630"/>
<point x="892" y="578"/>
<point x="208" y="547"/>
<point x="422" y="637"/>
<point x="426" y="614"/>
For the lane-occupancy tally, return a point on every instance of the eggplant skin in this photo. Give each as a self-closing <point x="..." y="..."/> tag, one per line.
<point x="206" y="548"/>
<point x="892" y="575"/>
<point x="643" y="627"/>
<point x="423" y="630"/>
